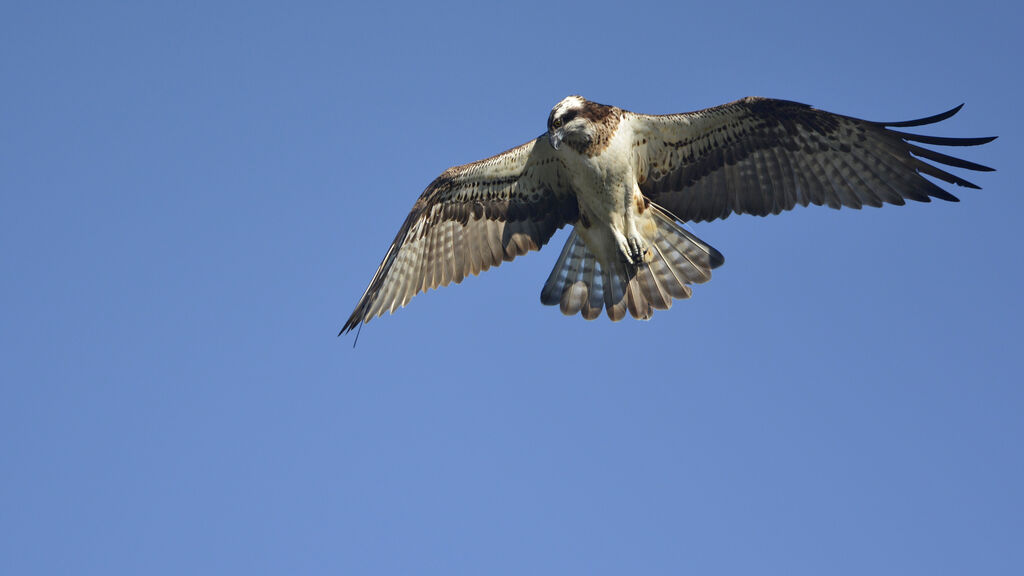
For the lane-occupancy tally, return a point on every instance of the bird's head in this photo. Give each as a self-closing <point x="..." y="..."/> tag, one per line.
<point x="570" y="123"/>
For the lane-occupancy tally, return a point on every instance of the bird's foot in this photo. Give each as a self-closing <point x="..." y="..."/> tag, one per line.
<point x="635" y="251"/>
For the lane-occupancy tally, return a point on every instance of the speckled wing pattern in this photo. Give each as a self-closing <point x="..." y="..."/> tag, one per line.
<point x="470" y="218"/>
<point x="762" y="156"/>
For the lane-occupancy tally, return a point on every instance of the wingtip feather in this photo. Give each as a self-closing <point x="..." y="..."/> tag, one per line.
<point x="922" y="121"/>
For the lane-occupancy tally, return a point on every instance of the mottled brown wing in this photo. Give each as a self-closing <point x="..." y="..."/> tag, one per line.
<point x="470" y="218"/>
<point x="762" y="156"/>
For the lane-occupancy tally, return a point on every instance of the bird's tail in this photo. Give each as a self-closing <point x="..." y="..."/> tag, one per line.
<point x="579" y="284"/>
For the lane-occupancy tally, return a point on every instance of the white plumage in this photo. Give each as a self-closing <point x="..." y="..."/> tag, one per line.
<point x="623" y="180"/>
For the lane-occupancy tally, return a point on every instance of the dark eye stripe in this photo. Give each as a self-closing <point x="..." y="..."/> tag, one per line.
<point x="569" y="116"/>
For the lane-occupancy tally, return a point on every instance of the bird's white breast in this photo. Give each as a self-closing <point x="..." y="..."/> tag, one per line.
<point x="603" y="182"/>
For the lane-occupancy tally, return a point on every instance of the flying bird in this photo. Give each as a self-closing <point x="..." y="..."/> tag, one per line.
<point x="625" y="181"/>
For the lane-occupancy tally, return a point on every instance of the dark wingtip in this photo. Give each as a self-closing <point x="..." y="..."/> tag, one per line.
<point x="716" y="257"/>
<point x="349" y="326"/>
<point x="923" y="121"/>
<point x="944" y="141"/>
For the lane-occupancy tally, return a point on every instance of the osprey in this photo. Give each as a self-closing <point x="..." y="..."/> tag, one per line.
<point x="624" y="181"/>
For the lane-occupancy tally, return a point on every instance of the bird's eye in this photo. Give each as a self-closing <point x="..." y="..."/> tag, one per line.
<point x="557" y="123"/>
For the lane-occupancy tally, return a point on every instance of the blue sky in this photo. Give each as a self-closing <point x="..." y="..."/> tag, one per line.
<point x="194" y="196"/>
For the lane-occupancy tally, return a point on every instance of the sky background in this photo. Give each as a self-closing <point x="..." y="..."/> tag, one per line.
<point x="193" y="196"/>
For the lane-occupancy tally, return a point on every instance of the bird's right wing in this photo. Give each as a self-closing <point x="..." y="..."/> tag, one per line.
<point x="470" y="218"/>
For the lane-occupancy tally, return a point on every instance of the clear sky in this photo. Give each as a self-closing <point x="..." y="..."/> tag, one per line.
<point x="193" y="196"/>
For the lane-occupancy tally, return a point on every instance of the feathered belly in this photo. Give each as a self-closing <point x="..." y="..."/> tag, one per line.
<point x="602" y="218"/>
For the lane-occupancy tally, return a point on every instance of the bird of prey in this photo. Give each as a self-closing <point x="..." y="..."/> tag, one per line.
<point x="624" y="182"/>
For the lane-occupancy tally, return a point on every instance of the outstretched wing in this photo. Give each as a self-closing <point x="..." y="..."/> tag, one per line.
<point x="470" y="218"/>
<point x="762" y="156"/>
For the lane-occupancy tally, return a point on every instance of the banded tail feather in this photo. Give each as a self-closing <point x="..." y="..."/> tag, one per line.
<point x="578" y="284"/>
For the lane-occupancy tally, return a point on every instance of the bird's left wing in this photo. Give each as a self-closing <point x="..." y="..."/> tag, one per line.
<point x="470" y="218"/>
<point x="762" y="156"/>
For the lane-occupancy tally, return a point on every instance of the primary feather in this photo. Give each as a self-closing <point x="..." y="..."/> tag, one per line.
<point x="623" y="180"/>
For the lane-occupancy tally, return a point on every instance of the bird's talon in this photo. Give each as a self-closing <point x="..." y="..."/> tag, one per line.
<point x="636" y="253"/>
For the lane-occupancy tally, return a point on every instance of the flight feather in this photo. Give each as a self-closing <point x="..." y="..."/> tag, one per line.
<point x="624" y="181"/>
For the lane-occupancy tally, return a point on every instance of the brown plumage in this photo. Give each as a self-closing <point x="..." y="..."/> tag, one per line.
<point x="761" y="156"/>
<point x="623" y="180"/>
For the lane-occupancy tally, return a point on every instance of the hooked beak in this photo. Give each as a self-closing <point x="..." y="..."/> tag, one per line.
<point x="556" y="138"/>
